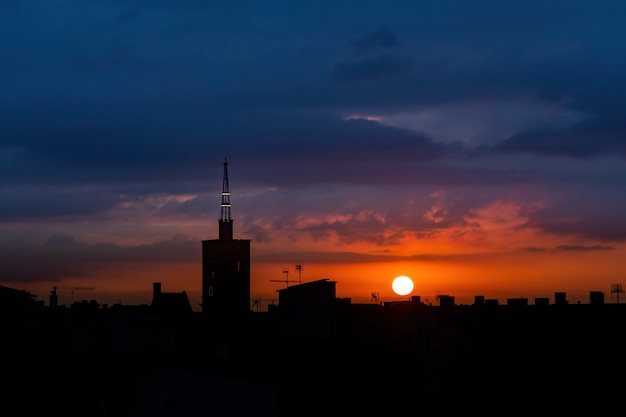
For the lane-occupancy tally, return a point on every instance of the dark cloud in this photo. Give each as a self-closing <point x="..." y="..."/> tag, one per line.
<point x="62" y="256"/>
<point x="99" y="203"/>
<point x="585" y="140"/>
<point x="107" y="106"/>
<point x="87" y="149"/>
<point x="381" y="38"/>
<point x="571" y="248"/>
<point x="583" y="248"/>
<point x="590" y="215"/>
<point x="371" y="69"/>
<point x="54" y="203"/>
<point x="79" y="288"/>
<point x="352" y="257"/>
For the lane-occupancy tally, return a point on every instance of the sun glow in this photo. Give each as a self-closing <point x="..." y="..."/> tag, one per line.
<point x="402" y="285"/>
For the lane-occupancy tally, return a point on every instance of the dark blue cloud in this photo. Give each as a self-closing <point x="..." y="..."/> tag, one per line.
<point x="583" y="248"/>
<point x="375" y="68"/>
<point x="113" y="102"/>
<point x="583" y="212"/>
<point x="63" y="256"/>
<point x="588" y="139"/>
<point x="54" y="204"/>
<point x="381" y="38"/>
<point x="99" y="144"/>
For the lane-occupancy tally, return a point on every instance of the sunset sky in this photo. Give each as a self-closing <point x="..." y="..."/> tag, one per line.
<point x="478" y="147"/>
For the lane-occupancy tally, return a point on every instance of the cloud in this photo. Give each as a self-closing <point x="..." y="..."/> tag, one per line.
<point x="381" y="38"/>
<point x="371" y="69"/>
<point x="587" y="139"/>
<point x="583" y="248"/>
<point x="594" y="214"/>
<point x="91" y="148"/>
<point x="62" y="256"/>
<point x="342" y="258"/>
<point x="54" y="203"/>
<point x="118" y="137"/>
<point x="570" y="248"/>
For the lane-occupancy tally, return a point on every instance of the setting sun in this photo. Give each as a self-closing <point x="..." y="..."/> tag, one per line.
<point x="402" y="285"/>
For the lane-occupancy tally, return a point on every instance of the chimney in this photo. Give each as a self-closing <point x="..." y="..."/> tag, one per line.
<point x="156" y="289"/>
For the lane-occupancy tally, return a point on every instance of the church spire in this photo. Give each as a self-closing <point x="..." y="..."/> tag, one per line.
<point x="226" y="221"/>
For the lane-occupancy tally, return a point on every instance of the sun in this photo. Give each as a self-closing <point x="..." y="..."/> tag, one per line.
<point x="402" y="285"/>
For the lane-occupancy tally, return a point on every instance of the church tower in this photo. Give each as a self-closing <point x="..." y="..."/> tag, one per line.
<point x="226" y="265"/>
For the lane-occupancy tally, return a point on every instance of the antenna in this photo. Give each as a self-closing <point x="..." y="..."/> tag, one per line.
<point x="256" y="302"/>
<point x="225" y="206"/>
<point x="299" y="269"/>
<point x="375" y="297"/>
<point x="617" y="289"/>
<point x="226" y="221"/>
<point x="286" y="280"/>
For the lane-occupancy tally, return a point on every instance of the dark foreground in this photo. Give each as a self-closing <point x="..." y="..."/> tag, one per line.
<point x="401" y="362"/>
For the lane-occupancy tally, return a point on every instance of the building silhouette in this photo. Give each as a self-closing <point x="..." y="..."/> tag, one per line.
<point x="170" y="304"/>
<point x="226" y="265"/>
<point x="310" y="354"/>
<point x="308" y="310"/>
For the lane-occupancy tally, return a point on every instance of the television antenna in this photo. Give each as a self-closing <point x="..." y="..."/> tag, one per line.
<point x="299" y="269"/>
<point x="375" y="297"/>
<point x="256" y="302"/>
<point x="286" y="280"/>
<point x="617" y="289"/>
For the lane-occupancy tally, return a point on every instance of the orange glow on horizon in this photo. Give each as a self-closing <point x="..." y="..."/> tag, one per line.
<point x="492" y="254"/>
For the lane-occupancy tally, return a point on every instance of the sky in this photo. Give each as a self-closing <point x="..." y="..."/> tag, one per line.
<point x="477" y="147"/>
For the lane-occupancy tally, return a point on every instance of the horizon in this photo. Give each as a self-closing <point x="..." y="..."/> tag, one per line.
<point x="479" y="149"/>
<point x="615" y="295"/>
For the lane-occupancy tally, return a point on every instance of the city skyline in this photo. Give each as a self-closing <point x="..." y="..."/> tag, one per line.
<point x="477" y="148"/>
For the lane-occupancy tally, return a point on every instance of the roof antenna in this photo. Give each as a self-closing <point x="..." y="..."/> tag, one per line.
<point x="299" y="269"/>
<point x="286" y="280"/>
<point x="617" y="289"/>
<point x="226" y="221"/>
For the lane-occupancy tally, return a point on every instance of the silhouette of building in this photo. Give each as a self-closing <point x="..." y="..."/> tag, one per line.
<point x="560" y="298"/>
<point x="416" y="300"/>
<point x="226" y="265"/>
<point x="309" y="309"/>
<point x="170" y="304"/>
<point x="446" y="300"/>
<point x="54" y="298"/>
<point x="17" y="308"/>
<point x="596" y="297"/>
<point x="310" y="353"/>
<point x="517" y="302"/>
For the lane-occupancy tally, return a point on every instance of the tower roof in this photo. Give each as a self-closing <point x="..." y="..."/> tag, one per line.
<point x="225" y="207"/>
<point x="226" y="221"/>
